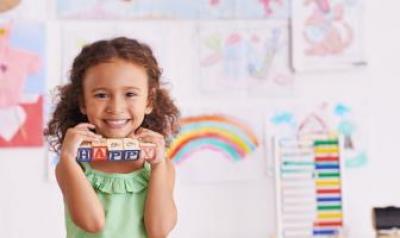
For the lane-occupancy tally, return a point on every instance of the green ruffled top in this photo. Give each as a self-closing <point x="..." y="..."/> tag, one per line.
<point x="123" y="197"/>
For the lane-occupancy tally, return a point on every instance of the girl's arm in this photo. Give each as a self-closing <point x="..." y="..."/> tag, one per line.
<point x="85" y="208"/>
<point x="160" y="213"/>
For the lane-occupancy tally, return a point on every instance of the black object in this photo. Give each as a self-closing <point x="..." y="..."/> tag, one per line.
<point x="386" y="218"/>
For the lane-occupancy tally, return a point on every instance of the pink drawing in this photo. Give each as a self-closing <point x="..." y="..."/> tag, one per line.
<point x="20" y="123"/>
<point x="327" y="34"/>
<point x="214" y="2"/>
<point x="323" y="5"/>
<point x="15" y="66"/>
<point x="267" y="5"/>
<point x="234" y="38"/>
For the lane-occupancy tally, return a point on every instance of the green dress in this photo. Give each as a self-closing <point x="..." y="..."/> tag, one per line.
<point x="123" y="197"/>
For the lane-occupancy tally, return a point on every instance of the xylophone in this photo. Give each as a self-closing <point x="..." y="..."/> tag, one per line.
<point x="124" y="149"/>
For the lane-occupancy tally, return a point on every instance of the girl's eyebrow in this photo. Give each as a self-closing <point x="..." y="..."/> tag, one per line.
<point x="125" y="88"/>
<point x="132" y="88"/>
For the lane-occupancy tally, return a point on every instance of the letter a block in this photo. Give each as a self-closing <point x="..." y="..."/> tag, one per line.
<point x="99" y="150"/>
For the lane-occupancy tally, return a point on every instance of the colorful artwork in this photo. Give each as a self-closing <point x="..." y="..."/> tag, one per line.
<point x="249" y="58"/>
<point x="215" y="132"/>
<point x="212" y="147"/>
<point x="21" y="84"/>
<point x="345" y="120"/>
<point x="275" y="9"/>
<point x="327" y="34"/>
<point x="179" y="9"/>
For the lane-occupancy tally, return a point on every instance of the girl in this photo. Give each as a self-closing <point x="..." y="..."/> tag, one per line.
<point x="114" y="92"/>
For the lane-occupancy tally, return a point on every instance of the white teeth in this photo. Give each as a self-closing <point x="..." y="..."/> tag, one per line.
<point x="116" y="122"/>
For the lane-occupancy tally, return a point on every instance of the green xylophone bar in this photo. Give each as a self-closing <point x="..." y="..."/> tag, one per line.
<point x="124" y="149"/>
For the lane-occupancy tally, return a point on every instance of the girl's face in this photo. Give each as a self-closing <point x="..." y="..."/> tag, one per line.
<point x="115" y="97"/>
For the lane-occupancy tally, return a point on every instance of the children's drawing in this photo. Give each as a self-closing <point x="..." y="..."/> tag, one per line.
<point x="217" y="147"/>
<point x="215" y="132"/>
<point x="341" y="119"/>
<point x="327" y="34"/>
<point x="21" y="84"/>
<point x="238" y="57"/>
<point x="178" y="9"/>
<point x="271" y="9"/>
<point x="118" y="9"/>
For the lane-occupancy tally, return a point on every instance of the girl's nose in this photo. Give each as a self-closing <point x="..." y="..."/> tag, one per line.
<point x="116" y="105"/>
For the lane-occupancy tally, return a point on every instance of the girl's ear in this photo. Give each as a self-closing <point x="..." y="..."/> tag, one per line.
<point x="149" y="108"/>
<point x="83" y="109"/>
<point x="150" y="102"/>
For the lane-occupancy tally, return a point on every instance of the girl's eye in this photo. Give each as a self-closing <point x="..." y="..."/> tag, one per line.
<point x="131" y="94"/>
<point x="100" y="95"/>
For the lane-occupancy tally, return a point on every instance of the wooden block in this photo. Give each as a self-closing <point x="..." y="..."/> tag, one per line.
<point x="131" y="144"/>
<point x="85" y="152"/>
<point x="115" y="149"/>
<point x="131" y="154"/>
<point x="115" y="144"/>
<point x="148" y="150"/>
<point x="99" y="153"/>
<point x="102" y="143"/>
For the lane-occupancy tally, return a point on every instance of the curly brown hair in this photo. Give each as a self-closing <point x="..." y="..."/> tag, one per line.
<point x="164" y="116"/>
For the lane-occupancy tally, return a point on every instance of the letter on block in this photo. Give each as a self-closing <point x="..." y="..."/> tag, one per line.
<point x="131" y="149"/>
<point x="85" y="152"/>
<point x="131" y="154"/>
<point x="99" y="153"/>
<point x="99" y="150"/>
<point x="148" y="150"/>
<point x="115" y="149"/>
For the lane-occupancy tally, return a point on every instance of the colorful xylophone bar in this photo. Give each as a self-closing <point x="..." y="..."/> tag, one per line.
<point x="124" y="149"/>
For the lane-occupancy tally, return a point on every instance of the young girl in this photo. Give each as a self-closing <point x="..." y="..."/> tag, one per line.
<point x="115" y="92"/>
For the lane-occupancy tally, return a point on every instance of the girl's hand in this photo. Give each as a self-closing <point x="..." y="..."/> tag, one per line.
<point x="152" y="155"/>
<point x="75" y="136"/>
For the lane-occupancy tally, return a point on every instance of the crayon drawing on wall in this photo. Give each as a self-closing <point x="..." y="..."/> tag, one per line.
<point x="216" y="147"/>
<point x="111" y="9"/>
<point x="327" y="34"/>
<point x="244" y="57"/>
<point x="22" y="84"/>
<point x="176" y="9"/>
<point x="271" y="9"/>
<point x="346" y="120"/>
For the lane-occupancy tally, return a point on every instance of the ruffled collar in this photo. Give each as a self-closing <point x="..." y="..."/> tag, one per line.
<point x="115" y="183"/>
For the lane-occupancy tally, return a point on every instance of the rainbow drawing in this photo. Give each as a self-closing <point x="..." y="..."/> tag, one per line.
<point x="215" y="132"/>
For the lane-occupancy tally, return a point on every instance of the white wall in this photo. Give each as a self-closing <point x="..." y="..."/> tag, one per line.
<point x="31" y="206"/>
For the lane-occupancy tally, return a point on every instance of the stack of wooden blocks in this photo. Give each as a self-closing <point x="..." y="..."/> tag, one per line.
<point x="124" y="149"/>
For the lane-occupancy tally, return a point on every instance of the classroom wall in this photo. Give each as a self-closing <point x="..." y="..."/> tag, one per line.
<point x="31" y="205"/>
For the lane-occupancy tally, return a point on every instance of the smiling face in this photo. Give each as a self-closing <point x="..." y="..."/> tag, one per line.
<point x="115" y="97"/>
